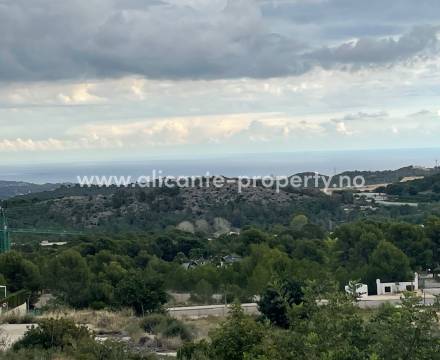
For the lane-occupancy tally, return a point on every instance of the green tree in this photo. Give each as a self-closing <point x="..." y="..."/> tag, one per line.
<point x="69" y="275"/>
<point x="204" y="291"/>
<point x="18" y="272"/>
<point x="355" y="242"/>
<point x="432" y="229"/>
<point x="235" y="337"/>
<point x="252" y="236"/>
<point x="143" y="291"/>
<point x="332" y="330"/>
<point x="389" y="264"/>
<point x="408" y="332"/>
<point x="277" y="299"/>
<point x="298" y="222"/>
<point x="412" y="240"/>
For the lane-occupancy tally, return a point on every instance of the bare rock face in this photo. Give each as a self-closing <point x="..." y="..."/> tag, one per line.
<point x="221" y="226"/>
<point x="203" y="226"/>
<point x="186" y="226"/>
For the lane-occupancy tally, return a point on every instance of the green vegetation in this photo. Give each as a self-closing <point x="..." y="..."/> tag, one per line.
<point x="166" y="326"/>
<point x="335" y="330"/>
<point x="422" y="190"/>
<point x="63" y="339"/>
<point x="136" y="270"/>
<point x="287" y="254"/>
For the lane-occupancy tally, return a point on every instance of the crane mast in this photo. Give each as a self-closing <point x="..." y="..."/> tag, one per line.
<point x="5" y="240"/>
<point x="5" y="244"/>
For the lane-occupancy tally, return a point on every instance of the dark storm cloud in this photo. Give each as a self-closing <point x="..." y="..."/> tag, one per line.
<point x="354" y="11"/>
<point x="372" y="51"/>
<point x="52" y="39"/>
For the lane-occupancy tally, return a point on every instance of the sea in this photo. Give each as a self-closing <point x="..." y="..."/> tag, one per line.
<point x="253" y="164"/>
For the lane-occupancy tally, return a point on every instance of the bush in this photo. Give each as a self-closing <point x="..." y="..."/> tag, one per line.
<point x="176" y="328"/>
<point x="166" y="326"/>
<point x="151" y="322"/>
<point x="63" y="339"/>
<point x="17" y="319"/>
<point x="194" y="351"/>
<point x="142" y="291"/>
<point x="86" y="350"/>
<point x="27" y="354"/>
<point x="54" y="334"/>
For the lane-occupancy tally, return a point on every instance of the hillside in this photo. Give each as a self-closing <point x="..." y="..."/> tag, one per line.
<point x="371" y="177"/>
<point x="391" y="176"/>
<point x="10" y="189"/>
<point x="209" y="210"/>
<point x="137" y="209"/>
<point x="426" y="189"/>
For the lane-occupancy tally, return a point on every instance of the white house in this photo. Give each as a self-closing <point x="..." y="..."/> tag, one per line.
<point x="370" y="196"/>
<point x="397" y="287"/>
<point x="47" y="243"/>
<point x="361" y="290"/>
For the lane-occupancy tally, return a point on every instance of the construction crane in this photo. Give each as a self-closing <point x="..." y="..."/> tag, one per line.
<point x="5" y="231"/>
<point x="5" y="243"/>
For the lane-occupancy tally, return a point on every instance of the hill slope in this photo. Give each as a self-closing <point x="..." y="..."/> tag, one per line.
<point x="10" y="189"/>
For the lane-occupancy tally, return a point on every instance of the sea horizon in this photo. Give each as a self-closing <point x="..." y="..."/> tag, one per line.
<point x="253" y="164"/>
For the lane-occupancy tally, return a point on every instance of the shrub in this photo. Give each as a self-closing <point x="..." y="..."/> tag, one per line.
<point x="54" y="334"/>
<point x="151" y="322"/>
<point x="176" y="328"/>
<point x="166" y="326"/>
<point x="17" y="319"/>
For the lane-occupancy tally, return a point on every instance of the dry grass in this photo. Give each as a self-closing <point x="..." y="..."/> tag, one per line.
<point x="170" y="343"/>
<point x="111" y="323"/>
<point x="124" y="323"/>
<point x="201" y="327"/>
<point x="14" y="318"/>
<point x="97" y="320"/>
<point x="134" y="330"/>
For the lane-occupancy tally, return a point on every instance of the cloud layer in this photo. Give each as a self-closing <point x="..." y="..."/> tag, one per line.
<point x="206" y="39"/>
<point x="102" y="78"/>
<point x="252" y="130"/>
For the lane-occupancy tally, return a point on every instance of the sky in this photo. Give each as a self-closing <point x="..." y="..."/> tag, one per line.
<point x="131" y="79"/>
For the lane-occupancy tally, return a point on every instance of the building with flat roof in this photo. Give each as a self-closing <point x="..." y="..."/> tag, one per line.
<point x="390" y="288"/>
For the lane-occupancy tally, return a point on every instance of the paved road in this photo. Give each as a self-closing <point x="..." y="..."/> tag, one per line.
<point x="209" y="310"/>
<point x="371" y="302"/>
<point x="11" y="333"/>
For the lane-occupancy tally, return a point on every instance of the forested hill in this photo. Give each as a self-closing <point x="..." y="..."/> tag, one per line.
<point x="207" y="210"/>
<point x="10" y="189"/>
<point x="199" y="209"/>
<point x="382" y="177"/>
<point x="391" y="176"/>
<point x="425" y="189"/>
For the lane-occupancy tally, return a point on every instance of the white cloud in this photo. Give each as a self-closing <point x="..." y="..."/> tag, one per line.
<point x="342" y="128"/>
<point x="244" y="130"/>
<point x="32" y="145"/>
<point x="81" y="94"/>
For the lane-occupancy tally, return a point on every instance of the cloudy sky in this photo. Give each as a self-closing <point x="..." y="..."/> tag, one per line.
<point x="131" y="79"/>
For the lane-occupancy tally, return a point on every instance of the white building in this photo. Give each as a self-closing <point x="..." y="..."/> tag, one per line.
<point x="397" y="287"/>
<point x="370" y="196"/>
<point x="361" y="290"/>
<point x="47" y="243"/>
